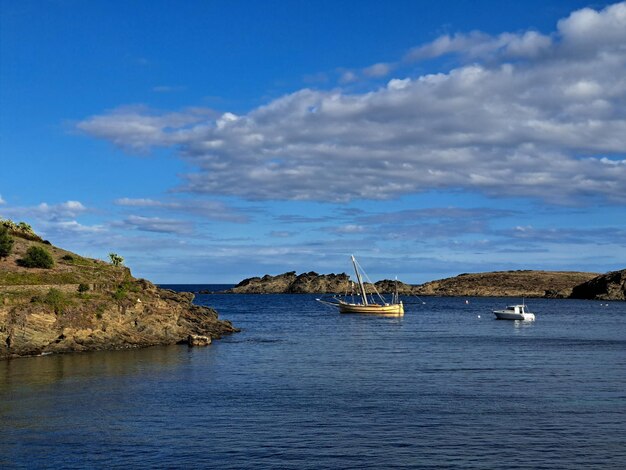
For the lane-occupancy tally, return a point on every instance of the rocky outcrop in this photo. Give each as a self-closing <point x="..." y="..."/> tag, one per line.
<point x="609" y="286"/>
<point x="312" y="282"/>
<point x="149" y="316"/>
<point x="387" y="286"/>
<point x="265" y="285"/>
<point x="290" y="283"/>
<point x="83" y="304"/>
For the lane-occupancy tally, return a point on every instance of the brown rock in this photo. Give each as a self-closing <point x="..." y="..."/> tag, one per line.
<point x="609" y="286"/>
<point x="198" y="340"/>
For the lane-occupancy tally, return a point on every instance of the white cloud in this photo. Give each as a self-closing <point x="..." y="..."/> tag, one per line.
<point x="348" y="77"/>
<point x="398" y="84"/>
<point x="280" y="234"/>
<point x="477" y="45"/>
<point x="377" y="70"/>
<point x="532" y="116"/>
<point x="45" y="211"/>
<point x="2" y="201"/>
<point x="582" y="31"/>
<point x="155" y="224"/>
<point x="74" y="226"/>
<point x="138" y="202"/>
<point x="137" y="129"/>
<point x="349" y="229"/>
<point x="468" y="44"/>
<point x="214" y="210"/>
<point x="589" y="27"/>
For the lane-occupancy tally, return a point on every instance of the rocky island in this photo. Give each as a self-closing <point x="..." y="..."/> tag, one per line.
<point x="520" y="283"/>
<point x="80" y="304"/>
<point x="290" y="283"/>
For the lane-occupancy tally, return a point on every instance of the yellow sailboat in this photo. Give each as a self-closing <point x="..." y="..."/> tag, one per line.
<point x="366" y="305"/>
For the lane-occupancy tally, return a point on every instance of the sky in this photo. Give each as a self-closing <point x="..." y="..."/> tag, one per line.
<point x="211" y="141"/>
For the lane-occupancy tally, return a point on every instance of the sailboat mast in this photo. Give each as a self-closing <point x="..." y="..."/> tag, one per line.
<point x="360" y="281"/>
<point x="396" y="296"/>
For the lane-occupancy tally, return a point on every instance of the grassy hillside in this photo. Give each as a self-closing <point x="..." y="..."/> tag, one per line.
<point x="69" y="268"/>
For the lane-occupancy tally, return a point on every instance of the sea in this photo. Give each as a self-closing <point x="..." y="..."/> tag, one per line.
<point x="304" y="387"/>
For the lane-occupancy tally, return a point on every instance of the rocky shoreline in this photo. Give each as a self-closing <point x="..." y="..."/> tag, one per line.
<point x="521" y="283"/>
<point x="152" y="316"/>
<point x="83" y="304"/>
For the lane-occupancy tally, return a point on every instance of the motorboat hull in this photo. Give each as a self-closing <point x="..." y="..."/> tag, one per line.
<point x="504" y="315"/>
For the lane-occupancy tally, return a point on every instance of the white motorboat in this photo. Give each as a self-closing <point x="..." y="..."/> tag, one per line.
<point x="514" y="312"/>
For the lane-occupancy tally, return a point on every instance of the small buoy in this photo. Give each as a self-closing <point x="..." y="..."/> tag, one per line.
<point x="478" y="316"/>
<point x="467" y="301"/>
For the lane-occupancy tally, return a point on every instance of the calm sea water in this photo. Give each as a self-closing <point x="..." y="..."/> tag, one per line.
<point x="303" y="387"/>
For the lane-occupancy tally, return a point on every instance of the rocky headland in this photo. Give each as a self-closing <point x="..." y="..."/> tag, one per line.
<point x="609" y="286"/>
<point x="82" y="304"/>
<point x="521" y="283"/>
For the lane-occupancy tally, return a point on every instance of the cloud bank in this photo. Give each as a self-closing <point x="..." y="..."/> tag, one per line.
<point x="523" y="115"/>
<point x="211" y="210"/>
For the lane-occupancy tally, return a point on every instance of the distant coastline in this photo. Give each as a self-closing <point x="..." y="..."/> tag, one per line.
<point x="520" y="283"/>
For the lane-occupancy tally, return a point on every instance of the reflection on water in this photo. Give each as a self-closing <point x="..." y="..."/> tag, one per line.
<point x="41" y="371"/>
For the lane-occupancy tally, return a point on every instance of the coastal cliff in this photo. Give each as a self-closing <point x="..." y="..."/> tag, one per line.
<point x="82" y="304"/>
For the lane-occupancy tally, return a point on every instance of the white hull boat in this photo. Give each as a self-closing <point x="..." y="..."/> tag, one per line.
<point x="514" y="312"/>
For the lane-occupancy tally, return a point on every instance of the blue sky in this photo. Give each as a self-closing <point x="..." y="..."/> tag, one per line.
<point x="212" y="141"/>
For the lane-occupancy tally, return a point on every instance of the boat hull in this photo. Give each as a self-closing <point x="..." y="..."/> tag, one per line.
<point x="373" y="309"/>
<point x="504" y="315"/>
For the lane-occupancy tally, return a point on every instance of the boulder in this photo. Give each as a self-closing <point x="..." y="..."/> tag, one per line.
<point x="198" y="340"/>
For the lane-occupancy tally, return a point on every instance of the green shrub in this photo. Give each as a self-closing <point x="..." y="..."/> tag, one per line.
<point x="67" y="258"/>
<point x="57" y="300"/>
<point x="24" y="227"/>
<point x="9" y="224"/>
<point x="36" y="257"/>
<point x="120" y="294"/>
<point x="82" y="288"/>
<point x="6" y="242"/>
